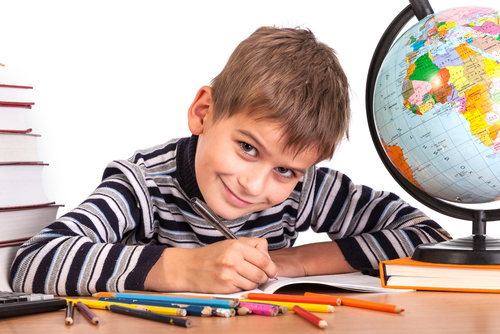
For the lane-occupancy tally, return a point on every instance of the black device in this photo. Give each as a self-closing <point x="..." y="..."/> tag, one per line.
<point x="14" y="304"/>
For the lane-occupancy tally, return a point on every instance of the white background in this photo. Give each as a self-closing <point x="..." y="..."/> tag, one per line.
<point x="111" y="77"/>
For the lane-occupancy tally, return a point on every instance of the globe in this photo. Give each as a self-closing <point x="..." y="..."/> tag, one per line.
<point x="433" y="110"/>
<point x="436" y="104"/>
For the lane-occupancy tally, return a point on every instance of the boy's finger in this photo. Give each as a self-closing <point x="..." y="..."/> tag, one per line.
<point x="262" y="262"/>
<point x="259" y="243"/>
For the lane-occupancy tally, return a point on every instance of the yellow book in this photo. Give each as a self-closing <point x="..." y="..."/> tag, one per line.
<point x="406" y="273"/>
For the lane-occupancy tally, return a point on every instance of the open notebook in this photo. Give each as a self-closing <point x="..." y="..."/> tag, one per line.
<point x="356" y="282"/>
<point x="353" y="281"/>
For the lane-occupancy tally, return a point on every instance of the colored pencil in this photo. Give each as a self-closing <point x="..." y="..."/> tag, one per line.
<point x="362" y="303"/>
<point x="16" y="86"/>
<point x="291" y="298"/>
<point x="87" y="313"/>
<point x="195" y="310"/>
<point x="261" y="309"/>
<point x="310" y="317"/>
<point x="149" y="315"/>
<point x="323" y="308"/>
<point x="222" y="312"/>
<point x="242" y="311"/>
<point x="98" y="304"/>
<point x="69" y="313"/>
<point x="169" y="299"/>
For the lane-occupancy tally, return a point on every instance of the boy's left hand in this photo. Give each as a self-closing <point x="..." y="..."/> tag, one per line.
<point x="323" y="258"/>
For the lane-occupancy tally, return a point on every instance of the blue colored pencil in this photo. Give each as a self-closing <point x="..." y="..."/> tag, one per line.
<point x="217" y="303"/>
<point x="195" y="310"/>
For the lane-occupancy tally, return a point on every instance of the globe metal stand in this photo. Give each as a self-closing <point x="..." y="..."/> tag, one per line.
<point x="477" y="249"/>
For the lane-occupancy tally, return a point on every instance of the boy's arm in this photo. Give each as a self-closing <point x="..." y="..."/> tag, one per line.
<point x="368" y="226"/>
<point x="100" y="246"/>
<point x="322" y="258"/>
<point x="92" y="248"/>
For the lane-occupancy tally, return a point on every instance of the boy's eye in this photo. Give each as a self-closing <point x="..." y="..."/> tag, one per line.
<point x="284" y="171"/>
<point x="248" y="149"/>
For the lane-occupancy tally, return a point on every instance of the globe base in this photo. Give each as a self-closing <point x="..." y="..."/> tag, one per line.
<point x="472" y="250"/>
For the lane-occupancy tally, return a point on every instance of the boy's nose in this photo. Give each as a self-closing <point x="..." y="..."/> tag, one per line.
<point x="253" y="182"/>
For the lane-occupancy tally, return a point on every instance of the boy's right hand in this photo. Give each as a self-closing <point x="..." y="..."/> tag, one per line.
<point x="223" y="267"/>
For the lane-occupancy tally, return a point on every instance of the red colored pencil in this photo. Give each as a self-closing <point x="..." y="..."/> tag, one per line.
<point x="309" y="316"/>
<point x="14" y="86"/>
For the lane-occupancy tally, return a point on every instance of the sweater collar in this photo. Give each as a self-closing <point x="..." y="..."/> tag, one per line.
<point x="186" y="152"/>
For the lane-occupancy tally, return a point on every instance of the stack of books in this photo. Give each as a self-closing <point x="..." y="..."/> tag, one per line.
<point x="24" y="208"/>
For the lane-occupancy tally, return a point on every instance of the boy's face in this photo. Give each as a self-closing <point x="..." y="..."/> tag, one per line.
<point x="241" y="166"/>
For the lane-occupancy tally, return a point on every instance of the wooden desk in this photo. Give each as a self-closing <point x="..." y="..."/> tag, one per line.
<point x="425" y="312"/>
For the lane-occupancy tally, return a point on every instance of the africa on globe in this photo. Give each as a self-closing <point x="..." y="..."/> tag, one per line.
<point x="437" y="104"/>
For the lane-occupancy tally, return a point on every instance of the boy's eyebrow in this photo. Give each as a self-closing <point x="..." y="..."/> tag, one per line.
<point x="263" y="148"/>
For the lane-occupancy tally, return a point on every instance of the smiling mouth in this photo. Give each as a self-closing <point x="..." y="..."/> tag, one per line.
<point x="235" y="200"/>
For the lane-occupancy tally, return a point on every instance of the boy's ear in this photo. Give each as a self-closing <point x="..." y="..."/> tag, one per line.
<point x="199" y="110"/>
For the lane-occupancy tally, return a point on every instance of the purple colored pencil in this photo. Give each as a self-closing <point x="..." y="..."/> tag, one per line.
<point x="87" y="313"/>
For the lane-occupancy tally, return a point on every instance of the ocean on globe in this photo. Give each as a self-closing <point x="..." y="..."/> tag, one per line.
<point x="437" y="104"/>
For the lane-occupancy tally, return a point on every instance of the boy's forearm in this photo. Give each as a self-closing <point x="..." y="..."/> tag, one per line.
<point x="312" y="259"/>
<point x="165" y="274"/>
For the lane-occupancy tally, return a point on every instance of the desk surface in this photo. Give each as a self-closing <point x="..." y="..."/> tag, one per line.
<point x="425" y="312"/>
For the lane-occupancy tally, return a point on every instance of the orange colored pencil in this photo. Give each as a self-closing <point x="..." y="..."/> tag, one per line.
<point x="310" y="317"/>
<point x="292" y="298"/>
<point x="361" y="303"/>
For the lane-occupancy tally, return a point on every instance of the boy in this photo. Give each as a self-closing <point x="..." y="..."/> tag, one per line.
<point x="280" y="105"/>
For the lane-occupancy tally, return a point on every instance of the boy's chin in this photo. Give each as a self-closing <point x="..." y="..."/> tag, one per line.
<point x="229" y="214"/>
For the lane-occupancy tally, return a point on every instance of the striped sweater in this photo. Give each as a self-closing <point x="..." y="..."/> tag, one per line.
<point x="112" y="240"/>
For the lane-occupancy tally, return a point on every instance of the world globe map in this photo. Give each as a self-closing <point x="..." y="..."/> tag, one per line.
<point x="437" y="104"/>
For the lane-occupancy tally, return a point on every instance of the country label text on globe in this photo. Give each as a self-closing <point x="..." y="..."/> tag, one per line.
<point x="437" y="104"/>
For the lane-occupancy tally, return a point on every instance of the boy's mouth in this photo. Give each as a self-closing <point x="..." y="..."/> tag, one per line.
<point x="234" y="199"/>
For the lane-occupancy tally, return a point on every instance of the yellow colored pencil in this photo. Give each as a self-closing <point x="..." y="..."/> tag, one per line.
<point x="97" y="304"/>
<point x="306" y="306"/>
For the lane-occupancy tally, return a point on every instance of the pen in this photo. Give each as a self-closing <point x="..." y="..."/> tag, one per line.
<point x="204" y="210"/>
<point x="69" y="313"/>
<point x="212" y="218"/>
<point x="87" y="313"/>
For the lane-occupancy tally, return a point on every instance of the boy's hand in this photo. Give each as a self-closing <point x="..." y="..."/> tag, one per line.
<point x="223" y="267"/>
<point x="323" y="258"/>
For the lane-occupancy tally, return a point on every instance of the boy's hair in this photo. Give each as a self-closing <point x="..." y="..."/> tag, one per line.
<point x="287" y="75"/>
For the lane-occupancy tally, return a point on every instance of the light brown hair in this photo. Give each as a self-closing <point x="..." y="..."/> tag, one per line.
<point x="287" y="75"/>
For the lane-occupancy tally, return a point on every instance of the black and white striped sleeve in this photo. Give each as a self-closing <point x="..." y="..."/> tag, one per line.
<point x="92" y="248"/>
<point x="369" y="226"/>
